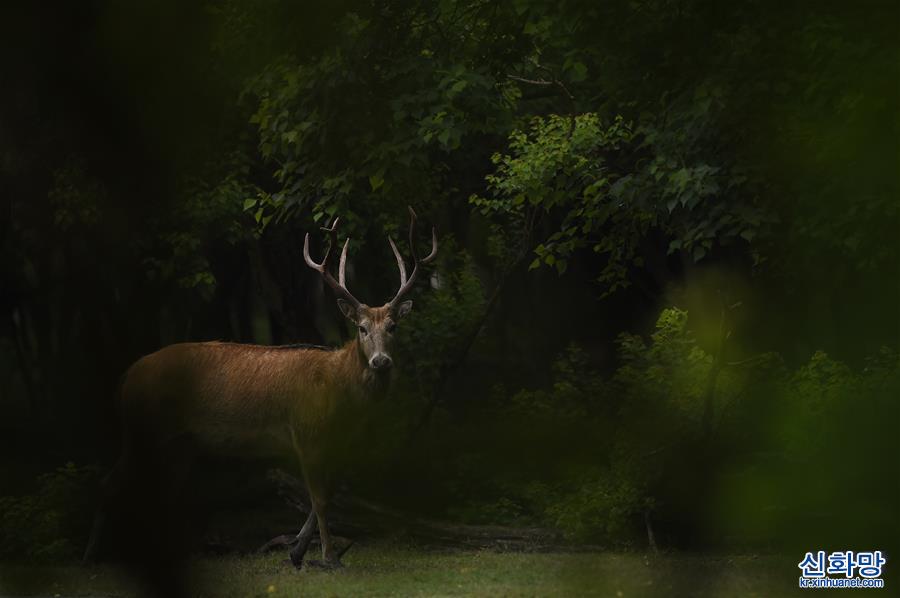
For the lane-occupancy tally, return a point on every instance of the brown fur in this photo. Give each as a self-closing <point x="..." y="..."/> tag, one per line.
<point x="244" y="398"/>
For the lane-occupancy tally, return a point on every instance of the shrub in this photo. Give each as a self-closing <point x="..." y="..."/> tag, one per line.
<point x="48" y="523"/>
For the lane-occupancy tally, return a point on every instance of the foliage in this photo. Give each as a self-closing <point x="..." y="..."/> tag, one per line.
<point x="49" y="523"/>
<point x="610" y="186"/>
<point x="601" y="508"/>
<point x="431" y="341"/>
<point x="576" y="391"/>
<point x="655" y="400"/>
<point x="75" y="199"/>
<point x="341" y="146"/>
<point x="628" y="441"/>
<point x="814" y="459"/>
<point x="559" y="164"/>
<point x="210" y="211"/>
<point x="616" y="436"/>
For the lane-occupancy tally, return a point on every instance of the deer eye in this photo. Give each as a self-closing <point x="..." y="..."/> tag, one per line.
<point x="363" y="331"/>
<point x="390" y="327"/>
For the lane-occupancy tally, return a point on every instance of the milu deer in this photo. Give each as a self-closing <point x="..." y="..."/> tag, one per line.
<point x="226" y="398"/>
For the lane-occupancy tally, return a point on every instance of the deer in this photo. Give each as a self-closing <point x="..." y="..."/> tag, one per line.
<point x="224" y="398"/>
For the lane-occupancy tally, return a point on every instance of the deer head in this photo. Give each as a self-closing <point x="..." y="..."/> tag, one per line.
<point x="375" y="325"/>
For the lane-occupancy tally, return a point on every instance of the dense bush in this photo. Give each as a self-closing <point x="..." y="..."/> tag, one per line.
<point x="52" y="522"/>
<point x="591" y="454"/>
<point x="817" y="467"/>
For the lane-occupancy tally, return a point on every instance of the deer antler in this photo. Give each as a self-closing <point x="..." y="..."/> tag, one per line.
<point x="340" y="285"/>
<point x="407" y="283"/>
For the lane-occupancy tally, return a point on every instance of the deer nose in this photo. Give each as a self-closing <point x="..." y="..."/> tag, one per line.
<point x="381" y="362"/>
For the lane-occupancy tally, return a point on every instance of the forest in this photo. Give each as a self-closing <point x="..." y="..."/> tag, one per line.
<point x="664" y="313"/>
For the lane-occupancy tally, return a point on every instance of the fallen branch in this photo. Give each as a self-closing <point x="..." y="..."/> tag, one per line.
<point x="278" y="542"/>
<point x="355" y="516"/>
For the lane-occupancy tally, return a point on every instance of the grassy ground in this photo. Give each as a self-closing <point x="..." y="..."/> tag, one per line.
<point x="405" y="571"/>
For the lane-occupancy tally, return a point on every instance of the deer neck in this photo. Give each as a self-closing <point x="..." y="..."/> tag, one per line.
<point x="370" y="383"/>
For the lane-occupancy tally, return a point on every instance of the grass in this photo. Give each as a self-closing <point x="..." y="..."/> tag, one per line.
<point x="380" y="570"/>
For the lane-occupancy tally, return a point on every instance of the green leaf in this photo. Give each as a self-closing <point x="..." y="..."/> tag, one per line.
<point x="458" y="86"/>
<point x="561" y="266"/>
<point x="376" y="180"/>
<point x="249" y="203"/>
<point x="579" y="72"/>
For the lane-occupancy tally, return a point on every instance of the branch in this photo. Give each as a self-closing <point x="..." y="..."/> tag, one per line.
<point x="529" y="81"/>
<point x="356" y="515"/>
<point x="749" y="361"/>
<point x="555" y="81"/>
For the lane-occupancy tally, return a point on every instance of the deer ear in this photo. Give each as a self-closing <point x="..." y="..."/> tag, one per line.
<point x="403" y="309"/>
<point x="348" y="310"/>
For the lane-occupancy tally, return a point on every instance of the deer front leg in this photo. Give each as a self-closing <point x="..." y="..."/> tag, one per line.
<point x="303" y="539"/>
<point x="318" y="494"/>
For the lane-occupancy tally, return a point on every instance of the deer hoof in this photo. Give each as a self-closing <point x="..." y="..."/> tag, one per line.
<point x="295" y="564"/>
<point x="296" y="559"/>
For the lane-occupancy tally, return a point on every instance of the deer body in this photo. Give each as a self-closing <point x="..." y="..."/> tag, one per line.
<point x="247" y="399"/>
<point x="227" y="398"/>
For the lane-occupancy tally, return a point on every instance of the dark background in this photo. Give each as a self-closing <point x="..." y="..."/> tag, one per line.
<point x="668" y="282"/>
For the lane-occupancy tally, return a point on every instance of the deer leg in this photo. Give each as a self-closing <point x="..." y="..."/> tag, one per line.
<point x="303" y="539"/>
<point x="318" y="494"/>
<point x="330" y="558"/>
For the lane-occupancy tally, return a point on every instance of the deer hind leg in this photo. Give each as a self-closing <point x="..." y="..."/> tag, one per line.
<point x="174" y="529"/>
<point x="111" y="492"/>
